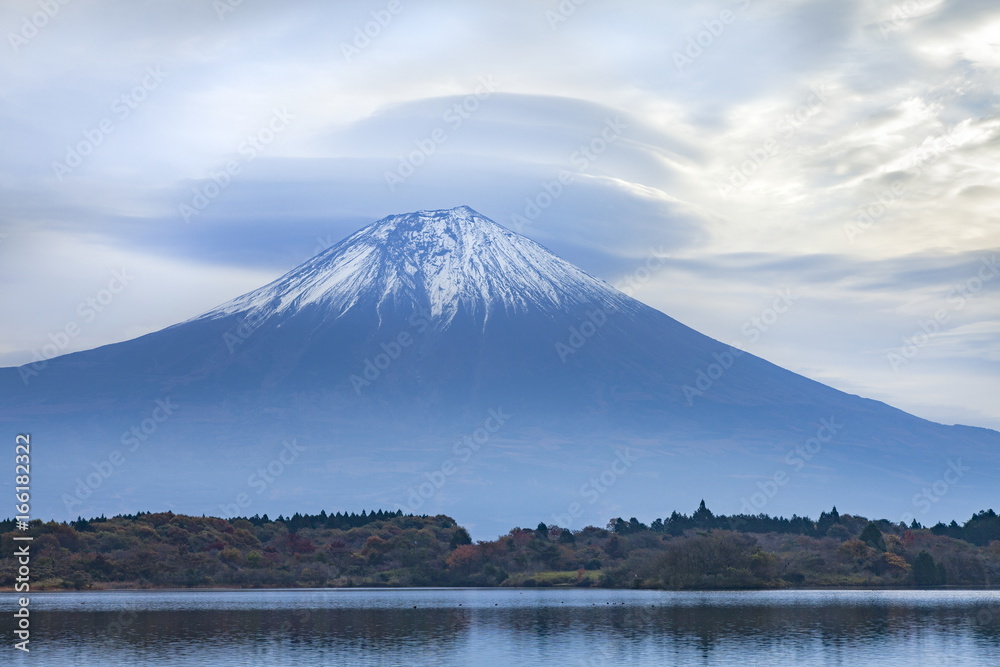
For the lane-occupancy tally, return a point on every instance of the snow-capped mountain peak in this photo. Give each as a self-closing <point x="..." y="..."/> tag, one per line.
<point x="437" y="261"/>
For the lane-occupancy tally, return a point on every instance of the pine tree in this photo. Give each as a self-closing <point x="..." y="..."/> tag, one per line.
<point x="703" y="516"/>
<point x="872" y="536"/>
<point x="925" y="572"/>
<point x="459" y="537"/>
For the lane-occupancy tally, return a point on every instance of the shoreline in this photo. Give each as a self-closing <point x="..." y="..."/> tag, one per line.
<point x="138" y="589"/>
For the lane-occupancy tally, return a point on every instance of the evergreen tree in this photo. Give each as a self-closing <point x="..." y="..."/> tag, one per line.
<point x="567" y="537"/>
<point x="677" y="523"/>
<point x="703" y="517"/>
<point x="826" y="521"/>
<point x="872" y="536"/>
<point x="459" y="537"/>
<point x="636" y="526"/>
<point x="925" y="572"/>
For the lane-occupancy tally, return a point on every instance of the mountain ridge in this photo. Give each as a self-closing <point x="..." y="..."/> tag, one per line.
<point x="427" y="310"/>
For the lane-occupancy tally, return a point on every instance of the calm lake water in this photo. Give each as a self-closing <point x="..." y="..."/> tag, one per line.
<point x="509" y="627"/>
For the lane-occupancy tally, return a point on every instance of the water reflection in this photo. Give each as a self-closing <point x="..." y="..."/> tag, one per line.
<point x="513" y="627"/>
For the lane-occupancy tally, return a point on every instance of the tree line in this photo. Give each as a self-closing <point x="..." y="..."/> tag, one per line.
<point x="981" y="529"/>
<point x="388" y="548"/>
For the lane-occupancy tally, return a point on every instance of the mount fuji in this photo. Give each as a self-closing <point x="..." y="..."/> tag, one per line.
<point x="438" y="362"/>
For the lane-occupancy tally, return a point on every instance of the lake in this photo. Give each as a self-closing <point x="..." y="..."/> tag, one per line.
<point x="508" y="627"/>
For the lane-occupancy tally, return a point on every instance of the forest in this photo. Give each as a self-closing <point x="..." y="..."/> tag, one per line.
<point x="700" y="551"/>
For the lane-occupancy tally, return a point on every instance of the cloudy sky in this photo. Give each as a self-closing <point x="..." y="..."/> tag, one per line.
<point x="160" y="158"/>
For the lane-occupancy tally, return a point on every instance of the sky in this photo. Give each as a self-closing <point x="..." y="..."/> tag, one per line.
<point x="822" y="177"/>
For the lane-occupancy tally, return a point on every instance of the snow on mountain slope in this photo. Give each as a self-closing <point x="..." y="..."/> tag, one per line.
<point x="444" y="260"/>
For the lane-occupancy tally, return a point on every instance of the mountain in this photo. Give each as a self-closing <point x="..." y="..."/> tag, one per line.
<point x="438" y="362"/>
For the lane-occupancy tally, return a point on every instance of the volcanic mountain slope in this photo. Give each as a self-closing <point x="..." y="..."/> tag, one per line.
<point x="437" y="361"/>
